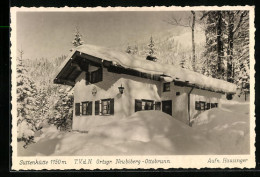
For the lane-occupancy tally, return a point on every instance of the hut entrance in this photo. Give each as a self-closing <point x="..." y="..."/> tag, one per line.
<point x="167" y="107"/>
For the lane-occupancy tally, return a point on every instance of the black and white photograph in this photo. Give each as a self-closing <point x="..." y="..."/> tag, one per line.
<point x="131" y="85"/>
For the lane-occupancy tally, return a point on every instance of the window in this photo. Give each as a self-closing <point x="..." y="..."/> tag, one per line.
<point x="97" y="103"/>
<point x="202" y="105"/>
<point x="143" y="105"/>
<point x="87" y="108"/>
<point x="166" y="87"/>
<point x="77" y="109"/>
<point x="147" y="105"/>
<point x="156" y="77"/>
<point x="212" y="105"/>
<point x="94" y="77"/>
<point x="197" y="105"/>
<point x="178" y="93"/>
<point x="107" y="107"/>
<point x="138" y="105"/>
<point x="207" y="106"/>
<point x="157" y="105"/>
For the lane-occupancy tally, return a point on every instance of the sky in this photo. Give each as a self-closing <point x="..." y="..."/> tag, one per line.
<point x="49" y="34"/>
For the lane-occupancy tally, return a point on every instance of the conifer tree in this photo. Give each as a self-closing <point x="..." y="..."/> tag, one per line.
<point x="26" y="92"/>
<point x="243" y="79"/>
<point x="236" y="20"/>
<point x="42" y="107"/>
<point x="63" y="110"/>
<point x="128" y="49"/>
<point x="241" y="60"/>
<point x="182" y="61"/>
<point x="151" y="50"/>
<point x="214" y="43"/>
<point x="135" y="50"/>
<point x="77" y="40"/>
<point x="222" y="31"/>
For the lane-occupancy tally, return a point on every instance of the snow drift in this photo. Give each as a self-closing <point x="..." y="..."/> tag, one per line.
<point x="216" y="131"/>
<point x="227" y="126"/>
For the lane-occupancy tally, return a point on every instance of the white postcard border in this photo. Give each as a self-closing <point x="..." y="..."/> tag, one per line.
<point x="146" y="162"/>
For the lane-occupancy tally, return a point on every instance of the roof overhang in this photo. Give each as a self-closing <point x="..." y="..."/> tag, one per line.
<point x="119" y="62"/>
<point x="74" y="66"/>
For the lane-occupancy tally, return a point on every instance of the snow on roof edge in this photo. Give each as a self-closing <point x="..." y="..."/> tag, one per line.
<point x="64" y="63"/>
<point x="142" y="65"/>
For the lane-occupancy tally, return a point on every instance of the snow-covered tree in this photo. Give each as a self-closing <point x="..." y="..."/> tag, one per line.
<point x="135" y="50"/>
<point x="214" y="53"/>
<point x="241" y="60"/>
<point x="185" y="61"/>
<point x="128" y="49"/>
<point x="77" y="39"/>
<point x="26" y="92"/>
<point x="182" y="62"/>
<point x="63" y="110"/>
<point x="42" y="107"/>
<point x="223" y="36"/>
<point x="151" y="50"/>
<point x="243" y="78"/>
<point x="235" y="20"/>
<point x="190" y="24"/>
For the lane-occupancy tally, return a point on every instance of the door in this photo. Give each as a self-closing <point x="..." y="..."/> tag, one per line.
<point x="167" y="107"/>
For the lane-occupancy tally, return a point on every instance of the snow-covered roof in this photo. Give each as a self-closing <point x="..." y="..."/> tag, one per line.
<point x="125" y="60"/>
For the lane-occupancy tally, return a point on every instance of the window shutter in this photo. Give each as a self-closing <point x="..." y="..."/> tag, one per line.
<point x="87" y="78"/>
<point x="197" y="105"/>
<point x="152" y="106"/>
<point x="97" y="107"/>
<point x="111" y="106"/>
<point x="208" y="106"/>
<point x="96" y="76"/>
<point x="100" y="74"/>
<point x="90" y="107"/>
<point x="138" y="105"/>
<point x="157" y="105"/>
<point x="77" y="109"/>
<point x="92" y="77"/>
<point x="166" y="87"/>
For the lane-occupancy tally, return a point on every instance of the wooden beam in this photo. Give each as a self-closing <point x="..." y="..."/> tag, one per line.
<point x="64" y="82"/>
<point x="107" y="64"/>
<point x="76" y="66"/>
<point x="89" y="58"/>
<point x="187" y="84"/>
<point x="132" y="72"/>
<point x="66" y="66"/>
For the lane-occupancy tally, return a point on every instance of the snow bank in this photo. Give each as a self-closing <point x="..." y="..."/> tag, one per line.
<point x="227" y="127"/>
<point x="217" y="131"/>
<point x="142" y="65"/>
<point x="145" y="132"/>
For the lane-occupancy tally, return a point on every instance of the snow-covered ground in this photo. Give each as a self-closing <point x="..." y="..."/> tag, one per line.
<point x="217" y="131"/>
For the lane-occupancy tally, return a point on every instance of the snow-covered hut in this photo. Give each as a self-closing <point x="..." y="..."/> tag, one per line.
<point x="111" y="84"/>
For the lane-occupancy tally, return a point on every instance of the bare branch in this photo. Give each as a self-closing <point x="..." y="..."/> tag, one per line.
<point x="204" y="15"/>
<point x="177" y="22"/>
<point x="243" y="14"/>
